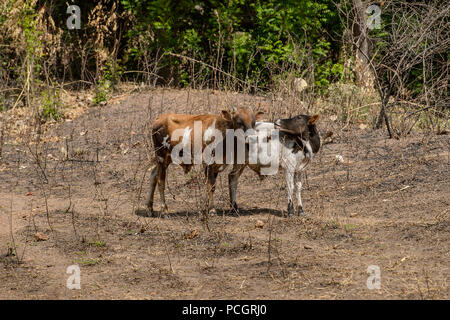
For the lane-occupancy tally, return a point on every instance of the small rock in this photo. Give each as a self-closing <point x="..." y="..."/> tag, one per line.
<point x="259" y="224"/>
<point x="339" y="158"/>
<point x="363" y="126"/>
<point x="192" y="234"/>
<point x="40" y="236"/>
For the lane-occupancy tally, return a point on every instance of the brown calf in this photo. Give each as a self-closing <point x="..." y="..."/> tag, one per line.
<point x="165" y="141"/>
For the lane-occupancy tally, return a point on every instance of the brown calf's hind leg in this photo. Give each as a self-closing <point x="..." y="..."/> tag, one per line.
<point x="162" y="184"/>
<point x="153" y="182"/>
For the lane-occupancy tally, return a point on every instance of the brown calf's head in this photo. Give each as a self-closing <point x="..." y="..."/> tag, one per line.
<point x="242" y="118"/>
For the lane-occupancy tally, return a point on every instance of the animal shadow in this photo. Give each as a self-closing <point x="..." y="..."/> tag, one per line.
<point x="143" y="212"/>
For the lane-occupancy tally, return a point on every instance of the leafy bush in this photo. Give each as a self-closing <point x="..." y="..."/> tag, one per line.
<point x="102" y="91"/>
<point x="51" y="105"/>
<point x="250" y="39"/>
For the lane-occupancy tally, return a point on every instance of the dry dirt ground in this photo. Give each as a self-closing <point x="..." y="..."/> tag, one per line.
<point x="386" y="205"/>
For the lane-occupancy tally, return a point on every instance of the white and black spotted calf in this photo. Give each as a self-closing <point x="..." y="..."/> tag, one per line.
<point x="297" y="144"/>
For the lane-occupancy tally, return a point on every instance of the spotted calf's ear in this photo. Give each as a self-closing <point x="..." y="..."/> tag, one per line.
<point x="314" y="119"/>
<point x="226" y="114"/>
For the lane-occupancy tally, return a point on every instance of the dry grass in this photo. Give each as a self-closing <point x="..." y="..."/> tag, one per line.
<point x="386" y="205"/>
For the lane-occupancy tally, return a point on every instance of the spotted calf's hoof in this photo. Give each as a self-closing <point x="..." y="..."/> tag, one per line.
<point x="161" y="215"/>
<point x="212" y="212"/>
<point x="300" y="211"/>
<point x="290" y="210"/>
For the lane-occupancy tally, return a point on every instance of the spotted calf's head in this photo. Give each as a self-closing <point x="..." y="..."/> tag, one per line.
<point x="302" y="127"/>
<point x="242" y="118"/>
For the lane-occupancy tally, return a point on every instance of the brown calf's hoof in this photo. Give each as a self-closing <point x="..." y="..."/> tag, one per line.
<point x="165" y="212"/>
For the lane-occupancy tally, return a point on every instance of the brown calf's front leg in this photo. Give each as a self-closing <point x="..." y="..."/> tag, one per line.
<point x="233" y="179"/>
<point x="153" y="182"/>
<point x="211" y="173"/>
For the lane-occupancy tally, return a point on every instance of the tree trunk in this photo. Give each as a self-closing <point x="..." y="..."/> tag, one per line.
<point x="383" y="114"/>
<point x="364" y="77"/>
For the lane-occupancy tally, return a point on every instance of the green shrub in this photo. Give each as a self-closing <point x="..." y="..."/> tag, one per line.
<point x="51" y="105"/>
<point x="102" y="91"/>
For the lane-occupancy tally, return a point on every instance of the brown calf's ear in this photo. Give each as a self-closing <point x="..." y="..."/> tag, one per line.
<point x="259" y="115"/>
<point x="314" y="119"/>
<point x="226" y="114"/>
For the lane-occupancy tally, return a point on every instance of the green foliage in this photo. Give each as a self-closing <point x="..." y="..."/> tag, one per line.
<point x="102" y="91"/>
<point x="2" y="103"/>
<point x="260" y="42"/>
<point x="349" y="228"/>
<point x="250" y="39"/>
<point x="98" y="243"/>
<point x="112" y="72"/>
<point x="89" y="261"/>
<point x="51" y="105"/>
<point x="32" y="38"/>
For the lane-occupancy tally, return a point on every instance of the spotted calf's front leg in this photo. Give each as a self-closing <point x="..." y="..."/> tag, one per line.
<point x="290" y="190"/>
<point x="298" y="184"/>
